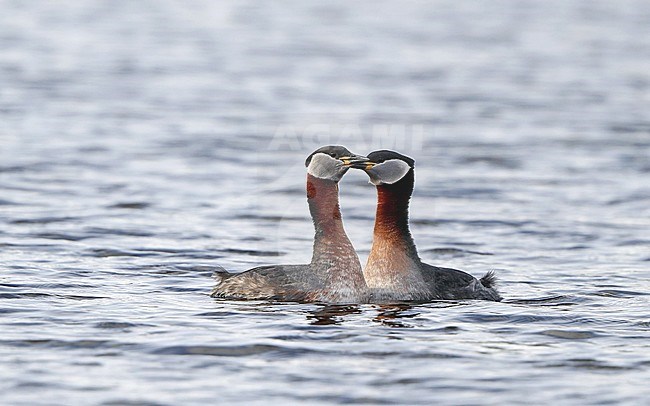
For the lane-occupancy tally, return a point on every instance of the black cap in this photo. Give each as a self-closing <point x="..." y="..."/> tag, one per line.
<point x="386" y="155"/>
<point x="335" y="151"/>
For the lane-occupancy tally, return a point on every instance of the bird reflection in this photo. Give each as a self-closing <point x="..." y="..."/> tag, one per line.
<point x="331" y="314"/>
<point x="391" y="315"/>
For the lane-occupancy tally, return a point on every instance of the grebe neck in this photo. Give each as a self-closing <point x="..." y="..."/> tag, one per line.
<point x="392" y="217"/>
<point x="331" y="243"/>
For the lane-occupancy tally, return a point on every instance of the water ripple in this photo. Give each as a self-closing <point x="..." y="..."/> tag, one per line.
<point x="142" y="148"/>
<point x="221" y="351"/>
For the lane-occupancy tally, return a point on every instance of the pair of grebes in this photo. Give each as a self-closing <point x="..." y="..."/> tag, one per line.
<point x="394" y="271"/>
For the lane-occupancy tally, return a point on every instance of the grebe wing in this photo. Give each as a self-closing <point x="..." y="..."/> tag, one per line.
<point x="452" y="283"/>
<point x="270" y="282"/>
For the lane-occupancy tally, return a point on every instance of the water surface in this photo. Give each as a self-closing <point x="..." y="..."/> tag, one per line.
<point x="144" y="145"/>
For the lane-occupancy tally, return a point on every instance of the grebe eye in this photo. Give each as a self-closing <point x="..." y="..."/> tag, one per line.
<point x="332" y="154"/>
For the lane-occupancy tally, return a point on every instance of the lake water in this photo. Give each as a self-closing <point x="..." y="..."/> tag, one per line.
<point x="145" y="144"/>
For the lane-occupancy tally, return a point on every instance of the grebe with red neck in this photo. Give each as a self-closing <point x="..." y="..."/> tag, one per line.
<point x="394" y="271"/>
<point x="334" y="274"/>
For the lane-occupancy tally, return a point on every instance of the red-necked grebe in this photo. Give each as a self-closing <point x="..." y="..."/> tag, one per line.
<point x="394" y="271"/>
<point x="334" y="274"/>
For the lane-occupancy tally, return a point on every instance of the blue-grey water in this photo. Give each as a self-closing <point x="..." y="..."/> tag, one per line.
<point x="145" y="144"/>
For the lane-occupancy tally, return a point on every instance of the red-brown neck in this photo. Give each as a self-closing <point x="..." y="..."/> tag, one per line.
<point x="323" y="199"/>
<point x="392" y="217"/>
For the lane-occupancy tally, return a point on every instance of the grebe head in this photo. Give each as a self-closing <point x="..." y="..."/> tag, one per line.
<point x="386" y="167"/>
<point x="331" y="162"/>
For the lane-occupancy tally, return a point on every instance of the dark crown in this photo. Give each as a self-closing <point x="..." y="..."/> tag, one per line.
<point x="386" y="155"/>
<point x="335" y="151"/>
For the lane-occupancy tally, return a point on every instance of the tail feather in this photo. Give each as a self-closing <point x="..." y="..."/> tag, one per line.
<point x="221" y="275"/>
<point x="489" y="280"/>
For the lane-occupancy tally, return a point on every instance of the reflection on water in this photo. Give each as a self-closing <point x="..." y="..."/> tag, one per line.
<point x="393" y="315"/>
<point x="332" y="314"/>
<point x="145" y="144"/>
<point x="390" y="315"/>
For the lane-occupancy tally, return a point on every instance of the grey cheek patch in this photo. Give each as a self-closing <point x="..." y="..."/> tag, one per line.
<point x="324" y="166"/>
<point x="388" y="172"/>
